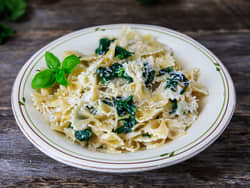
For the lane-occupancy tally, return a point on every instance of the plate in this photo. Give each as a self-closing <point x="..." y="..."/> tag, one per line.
<point x="215" y="114"/>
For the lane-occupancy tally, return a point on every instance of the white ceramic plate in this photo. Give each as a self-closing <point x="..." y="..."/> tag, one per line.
<point x="216" y="112"/>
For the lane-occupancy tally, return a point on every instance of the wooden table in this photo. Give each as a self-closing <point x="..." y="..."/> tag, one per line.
<point x="221" y="25"/>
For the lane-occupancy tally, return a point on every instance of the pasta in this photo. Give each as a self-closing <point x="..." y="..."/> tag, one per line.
<point x="129" y="95"/>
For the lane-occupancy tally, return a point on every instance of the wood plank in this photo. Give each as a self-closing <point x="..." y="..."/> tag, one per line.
<point x="183" y="15"/>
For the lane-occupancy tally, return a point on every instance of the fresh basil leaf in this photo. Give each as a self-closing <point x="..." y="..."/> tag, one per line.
<point x="122" y="53"/>
<point x="103" y="47"/>
<point x="83" y="135"/>
<point x="61" y="79"/>
<point x="5" y="33"/>
<point x="52" y="61"/>
<point x="174" y="106"/>
<point x="148" y="73"/>
<point x="43" y="79"/>
<point x="69" y="63"/>
<point x="15" y="8"/>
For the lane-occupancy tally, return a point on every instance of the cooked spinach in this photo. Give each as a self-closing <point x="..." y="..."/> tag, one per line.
<point x="127" y="125"/>
<point x="91" y="109"/>
<point x="174" y="106"/>
<point x="122" y="53"/>
<point x="108" y="101"/>
<point x="175" y="79"/>
<point x="146" y="135"/>
<point x="106" y="74"/>
<point x="103" y="47"/>
<point x="70" y="126"/>
<point x="166" y="71"/>
<point x="124" y="106"/>
<point x="83" y="135"/>
<point x="148" y="73"/>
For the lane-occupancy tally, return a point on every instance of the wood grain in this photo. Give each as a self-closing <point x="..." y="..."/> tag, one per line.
<point x="223" y="26"/>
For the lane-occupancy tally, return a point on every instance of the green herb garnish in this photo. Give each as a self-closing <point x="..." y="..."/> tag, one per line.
<point x="106" y="74"/>
<point x="83" y="135"/>
<point x="175" y="79"/>
<point x="124" y="106"/>
<point x="99" y="29"/>
<point x="55" y="72"/>
<point x="174" y="106"/>
<point x="5" y="33"/>
<point x="22" y="102"/>
<point x="127" y="125"/>
<point x="146" y="135"/>
<point x="122" y="53"/>
<point x="148" y="73"/>
<point x="166" y="71"/>
<point x="171" y="154"/>
<point x="103" y="47"/>
<point x="168" y="154"/>
<point x="217" y="68"/>
<point x="108" y="101"/>
<point x="91" y="109"/>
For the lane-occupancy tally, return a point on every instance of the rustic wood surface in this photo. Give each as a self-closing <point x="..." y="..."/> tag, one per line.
<point x="223" y="26"/>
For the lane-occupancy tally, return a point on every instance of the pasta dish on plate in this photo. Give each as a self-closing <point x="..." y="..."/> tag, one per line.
<point x="130" y="94"/>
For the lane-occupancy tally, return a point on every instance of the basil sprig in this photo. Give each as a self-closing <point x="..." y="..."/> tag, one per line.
<point x="55" y="72"/>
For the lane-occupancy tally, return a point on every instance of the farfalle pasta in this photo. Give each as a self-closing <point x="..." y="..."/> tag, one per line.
<point x="129" y="95"/>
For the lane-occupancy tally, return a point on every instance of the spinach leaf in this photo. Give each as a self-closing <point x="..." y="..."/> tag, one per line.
<point x="175" y="79"/>
<point x="83" y="135"/>
<point x="103" y="47"/>
<point x="122" y="53"/>
<point x="108" y="101"/>
<point x="166" y="71"/>
<point x="106" y="74"/>
<point x="148" y="73"/>
<point x="5" y="33"/>
<point x="70" y="126"/>
<point x="174" y="106"/>
<point x="91" y="109"/>
<point x="127" y="125"/>
<point x="146" y="135"/>
<point x="124" y="106"/>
